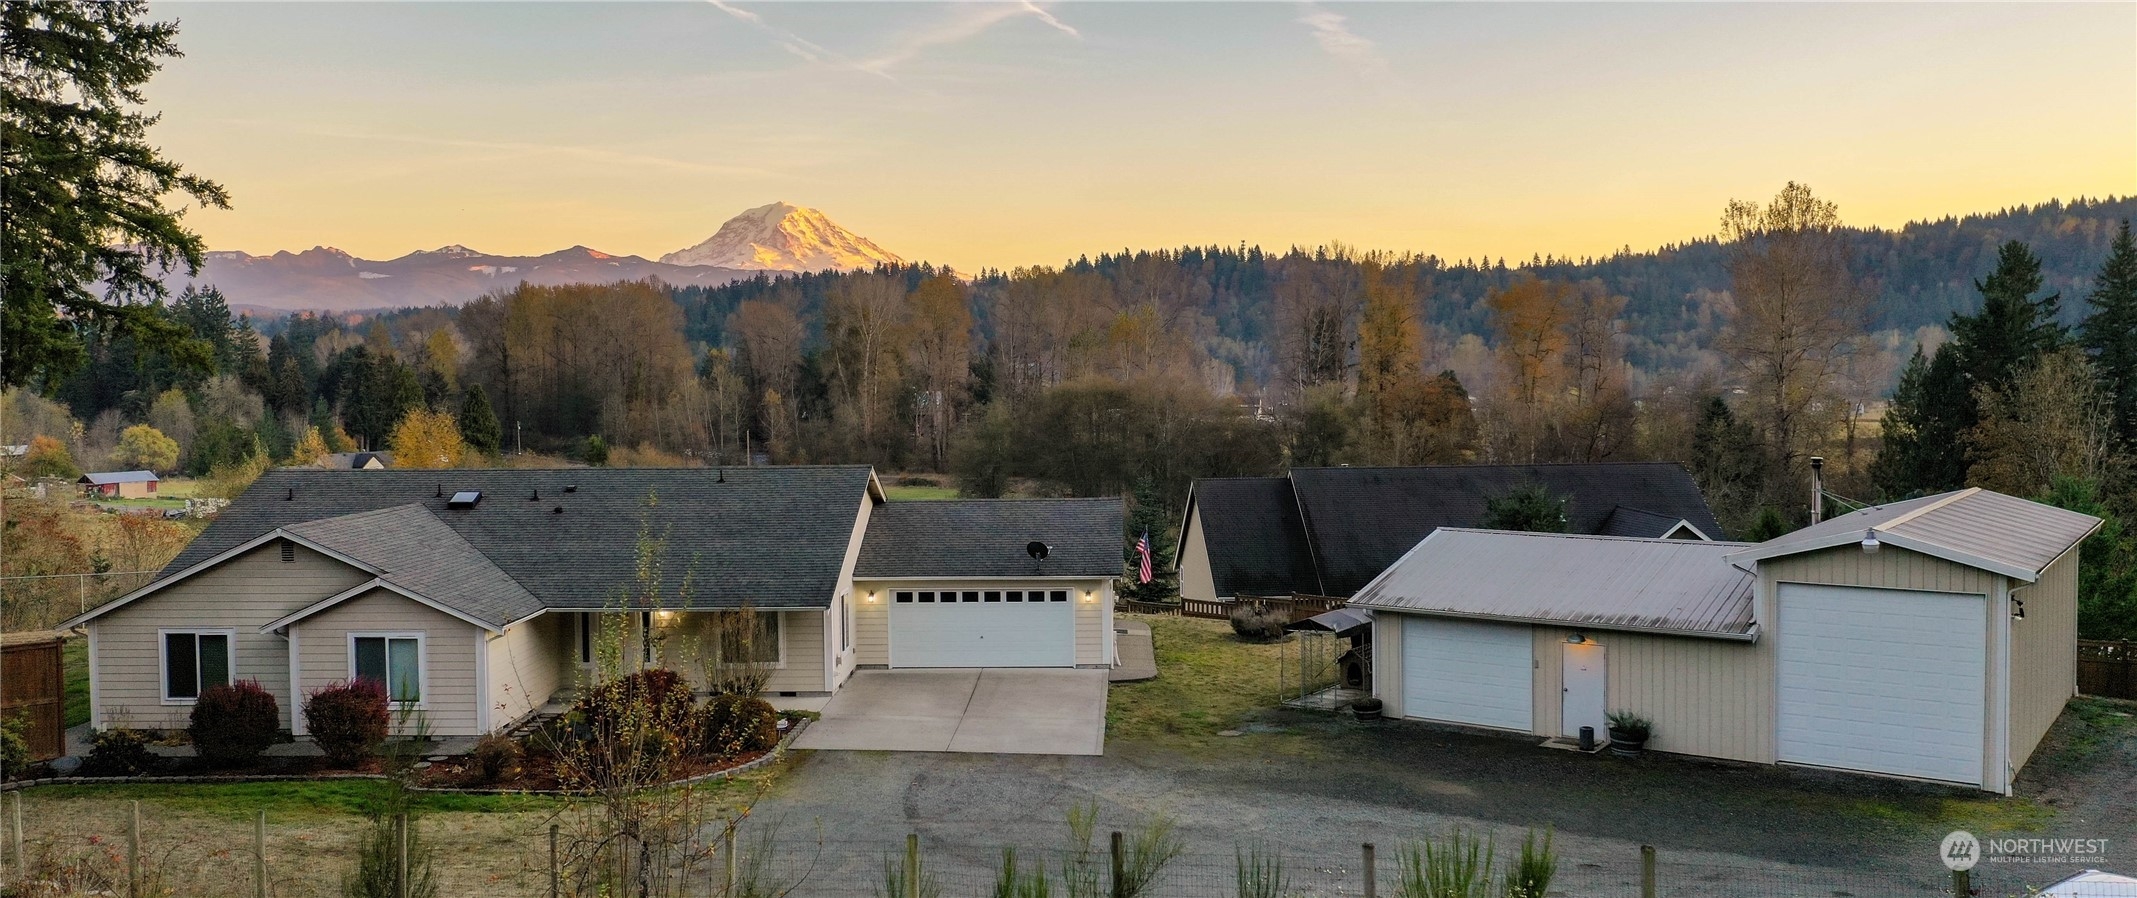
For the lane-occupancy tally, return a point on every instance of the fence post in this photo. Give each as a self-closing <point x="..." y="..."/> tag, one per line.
<point x="727" y="847"/>
<point x="22" y="860"/>
<point x="1647" y="871"/>
<point x="1372" y="872"/>
<point x="400" y="873"/>
<point x="1962" y="883"/>
<point x="81" y="590"/>
<point x="133" y="853"/>
<point x="556" y="877"/>
<point x="1120" y="868"/>
<point x="259" y="856"/>
<point x="912" y="865"/>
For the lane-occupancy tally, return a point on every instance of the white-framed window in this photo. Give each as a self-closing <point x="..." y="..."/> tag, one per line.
<point x="586" y="624"/>
<point x="194" y="660"/>
<point x="845" y="624"/>
<point x="764" y="645"/>
<point x="394" y="660"/>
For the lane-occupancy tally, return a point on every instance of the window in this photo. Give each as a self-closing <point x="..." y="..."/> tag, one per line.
<point x="994" y="595"/>
<point x="394" y="660"/>
<point x="194" y="660"/>
<point x="1059" y="595"/>
<point x="971" y="597"/>
<point x="645" y="637"/>
<point x="845" y="624"/>
<point x="905" y="598"/>
<point x="1016" y="595"/>
<point x="760" y="646"/>
<point x="586" y="637"/>
<point x="927" y="597"/>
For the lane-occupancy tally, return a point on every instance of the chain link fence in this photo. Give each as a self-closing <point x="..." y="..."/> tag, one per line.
<point x="42" y="601"/>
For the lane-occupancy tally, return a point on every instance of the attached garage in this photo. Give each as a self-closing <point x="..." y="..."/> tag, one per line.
<point x="1470" y="672"/>
<point x="1882" y="680"/>
<point x="982" y="628"/>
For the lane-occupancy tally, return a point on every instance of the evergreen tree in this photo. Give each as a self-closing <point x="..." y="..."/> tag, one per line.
<point x="2012" y="329"/>
<point x="1147" y="514"/>
<point x="1530" y="508"/>
<point x="596" y="451"/>
<point x="1727" y="461"/>
<point x="478" y="424"/>
<point x="1923" y="449"/>
<point x="2110" y="332"/>
<point x="86" y="196"/>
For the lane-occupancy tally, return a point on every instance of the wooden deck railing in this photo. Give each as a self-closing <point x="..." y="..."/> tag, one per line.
<point x="1300" y="607"/>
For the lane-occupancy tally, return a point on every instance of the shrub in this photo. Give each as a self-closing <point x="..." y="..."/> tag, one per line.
<point x="1631" y="724"/>
<point x="14" y="749"/>
<point x="1257" y="620"/>
<point x="658" y="694"/>
<point x="495" y="759"/>
<point x="233" y="724"/>
<point x="1530" y="876"/>
<point x="118" y="752"/>
<point x="738" y="724"/>
<point x="630" y="727"/>
<point x="348" y="720"/>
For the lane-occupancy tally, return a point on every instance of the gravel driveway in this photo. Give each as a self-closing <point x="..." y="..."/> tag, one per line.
<point x="1318" y="786"/>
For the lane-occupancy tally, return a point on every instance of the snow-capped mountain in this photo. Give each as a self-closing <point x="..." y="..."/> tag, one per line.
<point x="783" y="237"/>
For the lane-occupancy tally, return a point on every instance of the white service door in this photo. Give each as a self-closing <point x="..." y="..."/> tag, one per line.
<point x="1468" y="672"/>
<point x="983" y="634"/>
<point x="1585" y="695"/>
<point x="1882" y="680"/>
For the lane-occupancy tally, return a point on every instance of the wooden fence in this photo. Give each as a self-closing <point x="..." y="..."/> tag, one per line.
<point x="1300" y="607"/>
<point x="2107" y="669"/>
<point x="33" y="687"/>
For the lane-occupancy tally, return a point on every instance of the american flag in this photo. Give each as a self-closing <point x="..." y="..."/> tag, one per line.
<point x="1142" y="547"/>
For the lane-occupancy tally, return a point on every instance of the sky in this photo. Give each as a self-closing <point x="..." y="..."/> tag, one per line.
<point x="997" y="135"/>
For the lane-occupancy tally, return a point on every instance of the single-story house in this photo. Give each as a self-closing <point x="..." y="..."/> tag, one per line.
<point x="356" y="461"/>
<point x="1934" y="639"/>
<point x="1327" y="531"/>
<point x="478" y="596"/>
<point x="120" y="484"/>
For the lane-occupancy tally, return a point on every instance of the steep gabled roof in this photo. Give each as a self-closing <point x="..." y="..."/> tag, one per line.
<point x="773" y="537"/>
<point x="1973" y="527"/>
<point x="415" y="551"/>
<point x="988" y="538"/>
<point x="1360" y="520"/>
<point x="1254" y="537"/>
<point x="1677" y="586"/>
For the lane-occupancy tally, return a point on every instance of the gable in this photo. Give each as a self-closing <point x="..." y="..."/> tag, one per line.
<point x="1253" y="535"/>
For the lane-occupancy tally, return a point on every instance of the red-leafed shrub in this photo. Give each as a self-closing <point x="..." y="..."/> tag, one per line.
<point x="233" y="724"/>
<point x="348" y="720"/>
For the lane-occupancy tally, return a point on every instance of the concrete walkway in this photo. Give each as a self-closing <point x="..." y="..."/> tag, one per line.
<point x="1132" y="646"/>
<point x="987" y="710"/>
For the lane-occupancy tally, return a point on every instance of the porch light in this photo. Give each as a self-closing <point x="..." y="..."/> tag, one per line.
<point x="1869" y="542"/>
<point x="1577" y="639"/>
<point x="1090" y="596"/>
<point x="871" y="597"/>
<point x="663" y="616"/>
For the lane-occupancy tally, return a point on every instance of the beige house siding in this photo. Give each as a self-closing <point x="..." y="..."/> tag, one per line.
<point x="2044" y="655"/>
<point x="1094" y="618"/>
<point x="845" y="606"/>
<point x="871" y="625"/>
<point x="801" y="635"/>
<point x="523" y="672"/>
<point x="1196" y="581"/>
<point x="451" y="699"/>
<point x="1705" y="696"/>
<point x="240" y="595"/>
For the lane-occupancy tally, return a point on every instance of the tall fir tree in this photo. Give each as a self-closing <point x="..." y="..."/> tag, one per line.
<point x="1931" y="410"/>
<point x="478" y="424"/>
<point x="2012" y="329"/>
<point x="1147" y="515"/>
<point x="2110" y="331"/>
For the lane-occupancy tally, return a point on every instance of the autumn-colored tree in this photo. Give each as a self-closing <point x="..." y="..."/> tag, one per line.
<point x="2054" y="421"/>
<point x="1317" y="301"/>
<point x="866" y="337"/>
<point x="142" y="446"/>
<point x="442" y="356"/>
<point x="767" y="338"/>
<point x="427" y="439"/>
<point x="1530" y="317"/>
<point x="48" y="457"/>
<point x="310" y="448"/>
<point x="942" y="359"/>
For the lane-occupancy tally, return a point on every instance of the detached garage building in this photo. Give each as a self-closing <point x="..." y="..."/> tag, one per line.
<point x="1934" y="639"/>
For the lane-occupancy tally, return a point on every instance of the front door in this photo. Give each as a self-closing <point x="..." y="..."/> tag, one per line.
<point x="1586" y="699"/>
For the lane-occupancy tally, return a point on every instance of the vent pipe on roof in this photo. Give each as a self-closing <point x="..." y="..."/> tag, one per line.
<point x="537" y="497"/>
<point x="723" y="475"/>
<point x="1817" y="489"/>
<point x="440" y="494"/>
<point x="292" y="496"/>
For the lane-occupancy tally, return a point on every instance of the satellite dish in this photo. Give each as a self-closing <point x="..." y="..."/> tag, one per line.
<point x="1036" y="549"/>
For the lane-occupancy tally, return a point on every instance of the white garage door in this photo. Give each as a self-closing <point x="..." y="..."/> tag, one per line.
<point x="983" y="628"/>
<point x="1468" y="672"/>
<point x="1883" y="680"/>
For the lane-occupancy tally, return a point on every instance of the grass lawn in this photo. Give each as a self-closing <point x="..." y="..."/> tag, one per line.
<point x="1208" y="681"/>
<point x="919" y="493"/>
<point x="177" y="488"/>
<point x="74" y="661"/>
<point x="162" y="502"/>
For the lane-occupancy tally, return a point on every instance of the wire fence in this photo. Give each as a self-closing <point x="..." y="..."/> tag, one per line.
<point x="42" y="601"/>
<point x="112" y="848"/>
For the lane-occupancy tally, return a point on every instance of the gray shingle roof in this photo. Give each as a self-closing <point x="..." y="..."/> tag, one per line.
<point x="102" y="478"/>
<point x="417" y="552"/>
<point x="771" y="537"/>
<point x="1975" y="527"/>
<point x="1256" y="521"/>
<point x="1633" y="522"/>
<point x="1606" y="582"/>
<point x="987" y="538"/>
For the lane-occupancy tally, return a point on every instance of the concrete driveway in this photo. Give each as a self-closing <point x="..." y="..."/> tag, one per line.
<point x="987" y="711"/>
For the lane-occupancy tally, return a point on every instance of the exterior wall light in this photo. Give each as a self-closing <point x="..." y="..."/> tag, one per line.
<point x="1577" y="639"/>
<point x="1869" y="542"/>
<point x="871" y="597"/>
<point x="1089" y="596"/>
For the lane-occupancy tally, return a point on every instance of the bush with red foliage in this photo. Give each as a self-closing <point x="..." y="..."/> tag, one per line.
<point x="233" y="724"/>
<point x="348" y="720"/>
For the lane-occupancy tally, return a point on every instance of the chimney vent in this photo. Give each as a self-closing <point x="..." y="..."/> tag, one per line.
<point x="1817" y="489"/>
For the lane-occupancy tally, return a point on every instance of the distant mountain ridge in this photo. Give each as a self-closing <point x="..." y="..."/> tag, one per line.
<point x="784" y="237"/>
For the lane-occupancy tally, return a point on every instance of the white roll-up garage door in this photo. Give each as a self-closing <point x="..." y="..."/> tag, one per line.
<point x="1882" y="680"/>
<point x="1468" y="672"/>
<point x="983" y="628"/>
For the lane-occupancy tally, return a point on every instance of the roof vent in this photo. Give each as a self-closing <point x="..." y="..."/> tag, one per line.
<point x="571" y="487"/>
<point x="291" y="496"/>
<point x="1036" y="549"/>
<point x="464" y="499"/>
<point x="536" y="497"/>
<point x="557" y="510"/>
<point x="723" y="475"/>
<point x="441" y="492"/>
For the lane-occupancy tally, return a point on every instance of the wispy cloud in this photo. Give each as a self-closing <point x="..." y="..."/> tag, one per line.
<point x="970" y="21"/>
<point x="522" y="149"/>
<point x="794" y="43"/>
<point x="1332" y="31"/>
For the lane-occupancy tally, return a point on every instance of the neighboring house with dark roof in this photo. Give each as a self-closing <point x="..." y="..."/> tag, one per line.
<point x="478" y="596"/>
<point x="120" y="484"/>
<point x="355" y="461"/>
<point x="1932" y="639"/>
<point x="1327" y="531"/>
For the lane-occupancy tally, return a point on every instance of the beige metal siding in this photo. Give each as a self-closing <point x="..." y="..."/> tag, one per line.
<point x="1387" y="661"/>
<point x="1706" y="696"/>
<point x="2044" y="655"/>
<point x="523" y="666"/>
<point x="1094" y="618"/>
<point x="450" y="697"/>
<point x="241" y="594"/>
<point x="1196" y="581"/>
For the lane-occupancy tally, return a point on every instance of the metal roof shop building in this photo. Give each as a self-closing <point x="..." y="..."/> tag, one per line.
<point x="1932" y="639"/>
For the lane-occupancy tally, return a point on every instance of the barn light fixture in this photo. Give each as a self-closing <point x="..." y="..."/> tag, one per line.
<point x="1869" y="542"/>
<point x="2018" y="608"/>
<point x="871" y="597"/>
<point x="1577" y="639"/>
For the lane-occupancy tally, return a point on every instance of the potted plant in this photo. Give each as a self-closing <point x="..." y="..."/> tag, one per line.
<point x="1366" y="708"/>
<point x="1628" y="733"/>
